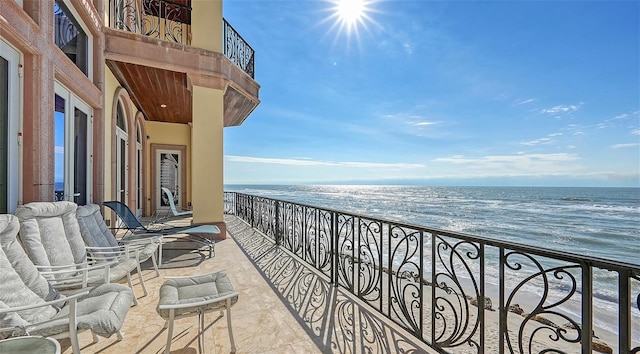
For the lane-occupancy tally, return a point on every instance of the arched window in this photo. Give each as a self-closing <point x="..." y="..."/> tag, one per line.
<point x="121" y="153"/>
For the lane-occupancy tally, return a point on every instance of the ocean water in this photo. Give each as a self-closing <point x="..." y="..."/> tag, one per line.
<point x="599" y="222"/>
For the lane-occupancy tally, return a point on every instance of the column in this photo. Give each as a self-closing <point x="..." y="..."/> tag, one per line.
<point x="207" y="156"/>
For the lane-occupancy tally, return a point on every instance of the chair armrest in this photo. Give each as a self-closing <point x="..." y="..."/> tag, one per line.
<point x="62" y="298"/>
<point x="74" y="275"/>
<point x="102" y="254"/>
<point x="72" y="268"/>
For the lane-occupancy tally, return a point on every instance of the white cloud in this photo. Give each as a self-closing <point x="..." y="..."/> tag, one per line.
<point x="624" y="146"/>
<point x="635" y="132"/>
<point x="310" y="162"/>
<point x="560" y="109"/>
<point x="514" y="165"/>
<point x="519" y="102"/>
<point x="59" y="149"/>
<point x="408" y="48"/>
<point x="458" y="159"/>
<point x="423" y="124"/>
<point x="542" y="141"/>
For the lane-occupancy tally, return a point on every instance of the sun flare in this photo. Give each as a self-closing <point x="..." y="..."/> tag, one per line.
<point x="350" y="11"/>
<point x="351" y="14"/>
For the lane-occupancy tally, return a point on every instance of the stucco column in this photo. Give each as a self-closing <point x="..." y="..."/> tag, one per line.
<point x="206" y="156"/>
<point x="206" y="29"/>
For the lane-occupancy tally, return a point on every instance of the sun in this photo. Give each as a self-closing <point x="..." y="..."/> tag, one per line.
<point x="350" y="11"/>
<point x="350" y="14"/>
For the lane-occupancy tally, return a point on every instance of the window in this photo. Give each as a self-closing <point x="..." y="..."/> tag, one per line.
<point x="73" y="141"/>
<point x="70" y="37"/>
<point x="9" y="120"/>
<point x="138" y="169"/>
<point x="121" y="154"/>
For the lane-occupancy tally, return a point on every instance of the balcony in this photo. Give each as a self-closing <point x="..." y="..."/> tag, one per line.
<point x="306" y="282"/>
<point x="283" y="307"/>
<point x="148" y="48"/>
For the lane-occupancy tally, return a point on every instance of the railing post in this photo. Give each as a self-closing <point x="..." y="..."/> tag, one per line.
<point x="253" y="211"/>
<point x="278" y="234"/>
<point x="624" y="312"/>
<point x="587" y="308"/>
<point x="502" y="322"/>
<point x="334" y="253"/>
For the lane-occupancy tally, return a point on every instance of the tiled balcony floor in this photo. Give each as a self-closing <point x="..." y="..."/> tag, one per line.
<point x="284" y="307"/>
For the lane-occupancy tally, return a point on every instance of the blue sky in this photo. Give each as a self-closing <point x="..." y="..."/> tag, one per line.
<point x="440" y="92"/>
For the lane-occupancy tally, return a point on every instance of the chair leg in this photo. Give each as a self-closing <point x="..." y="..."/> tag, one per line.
<point x="144" y="288"/>
<point x="233" y="343"/>
<point x="75" y="344"/>
<point x="201" y="331"/>
<point x="160" y="254"/>
<point x="155" y="264"/>
<point x="135" y="298"/>
<point x="169" y="331"/>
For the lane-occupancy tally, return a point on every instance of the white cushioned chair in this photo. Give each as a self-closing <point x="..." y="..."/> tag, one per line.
<point x="50" y="235"/>
<point x="29" y="305"/>
<point x="96" y="233"/>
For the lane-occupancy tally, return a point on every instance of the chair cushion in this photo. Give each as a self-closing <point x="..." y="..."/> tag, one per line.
<point x="63" y="244"/>
<point x="93" y="229"/>
<point x="185" y="291"/>
<point x="104" y="309"/>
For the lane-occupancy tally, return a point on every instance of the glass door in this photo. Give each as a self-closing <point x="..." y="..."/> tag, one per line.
<point x="168" y="176"/>
<point x="138" y="170"/>
<point x="9" y="121"/>
<point x="73" y="141"/>
<point x="122" y="162"/>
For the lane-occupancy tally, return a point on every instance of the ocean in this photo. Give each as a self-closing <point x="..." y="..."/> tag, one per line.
<point x="599" y="222"/>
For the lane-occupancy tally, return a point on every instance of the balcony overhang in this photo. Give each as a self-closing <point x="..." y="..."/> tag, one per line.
<point x="157" y="73"/>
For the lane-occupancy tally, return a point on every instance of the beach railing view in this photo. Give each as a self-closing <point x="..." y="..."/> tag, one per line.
<point x="456" y="292"/>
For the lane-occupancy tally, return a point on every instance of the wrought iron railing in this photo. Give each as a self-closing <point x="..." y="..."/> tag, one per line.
<point x="237" y="49"/>
<point x="442" y="286"/>
<point x="170" y="21"/>
<point x="160" y="19"/>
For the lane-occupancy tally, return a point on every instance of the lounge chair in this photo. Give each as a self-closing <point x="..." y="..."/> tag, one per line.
<point x="96" y="233"/>
<point x="134" y="227"/>
<point x="29" y="305"/>
<point x="173" y="210"/>
<point x="50" y="235"/>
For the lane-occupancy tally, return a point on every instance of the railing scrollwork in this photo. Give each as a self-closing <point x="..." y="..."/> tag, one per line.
<point x="238" y="50"/>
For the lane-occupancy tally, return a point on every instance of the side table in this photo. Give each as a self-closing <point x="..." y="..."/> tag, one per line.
<point x="29" y="344"/>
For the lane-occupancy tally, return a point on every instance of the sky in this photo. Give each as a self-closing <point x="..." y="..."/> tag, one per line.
<point x="541" y="93"/>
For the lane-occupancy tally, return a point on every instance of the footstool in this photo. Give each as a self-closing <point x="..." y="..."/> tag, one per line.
<point x="194" y="295"/>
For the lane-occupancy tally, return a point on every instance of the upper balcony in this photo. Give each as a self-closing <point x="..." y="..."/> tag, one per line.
<point x="149" y="46"/>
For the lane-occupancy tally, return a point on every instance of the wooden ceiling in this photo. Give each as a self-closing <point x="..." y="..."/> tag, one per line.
<point x="162" y="95"/>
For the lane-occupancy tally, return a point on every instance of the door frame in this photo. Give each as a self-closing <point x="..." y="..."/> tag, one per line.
<point x="155" y="172"/>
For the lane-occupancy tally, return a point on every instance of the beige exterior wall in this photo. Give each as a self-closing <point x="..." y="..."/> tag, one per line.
<point x="110" y="86"/>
